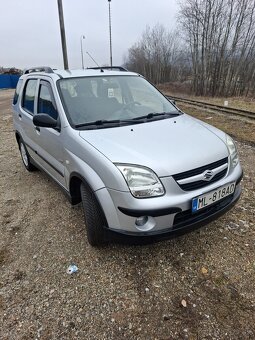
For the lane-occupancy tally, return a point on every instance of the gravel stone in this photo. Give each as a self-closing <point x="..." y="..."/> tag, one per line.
<point x="41" y="234"/>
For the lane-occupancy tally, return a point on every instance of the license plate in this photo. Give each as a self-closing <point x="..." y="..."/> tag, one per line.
<point x="211" y="197"/>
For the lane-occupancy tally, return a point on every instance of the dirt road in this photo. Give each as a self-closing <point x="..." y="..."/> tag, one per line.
<point x="198" y="286"/>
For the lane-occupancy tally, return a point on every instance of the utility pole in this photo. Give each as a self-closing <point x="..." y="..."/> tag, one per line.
<point x="63" y="35"/>
<point x="110" y="31"/>
<point x="82" y="56"/>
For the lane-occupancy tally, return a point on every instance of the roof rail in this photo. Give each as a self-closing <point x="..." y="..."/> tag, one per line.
<point x="114" y="68"/>
<point x="45" y="69"/>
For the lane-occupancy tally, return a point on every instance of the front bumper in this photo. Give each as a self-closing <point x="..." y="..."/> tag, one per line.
<point x="184" y="222"/>
<point x="122" y="209"/>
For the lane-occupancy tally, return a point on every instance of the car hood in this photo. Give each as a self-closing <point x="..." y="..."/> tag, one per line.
<point x="166" y="146"/>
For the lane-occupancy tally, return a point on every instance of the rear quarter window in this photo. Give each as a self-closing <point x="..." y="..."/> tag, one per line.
<point x="17" y="91"/>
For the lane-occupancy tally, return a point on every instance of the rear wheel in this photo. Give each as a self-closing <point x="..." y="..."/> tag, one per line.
<point x="94" y="217"/>
<point x="25" y="157"/>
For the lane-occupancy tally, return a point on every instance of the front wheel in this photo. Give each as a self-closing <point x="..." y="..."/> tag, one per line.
<point x="94" y="217"/>
<point x="25" y="157"/>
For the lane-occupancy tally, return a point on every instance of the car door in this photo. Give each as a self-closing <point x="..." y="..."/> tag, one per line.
<point x="25" y="116"/>
<point x="50" y="140"/>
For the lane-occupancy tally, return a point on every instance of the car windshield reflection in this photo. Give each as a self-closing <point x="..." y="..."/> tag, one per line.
<point x="112" y="98"/>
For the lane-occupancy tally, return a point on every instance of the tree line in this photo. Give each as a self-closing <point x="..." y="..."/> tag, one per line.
<point x="213" y="48"/>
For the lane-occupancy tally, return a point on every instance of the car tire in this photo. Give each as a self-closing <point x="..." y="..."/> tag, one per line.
<point x="26" y="157"/>
<point x="94" y="217"/>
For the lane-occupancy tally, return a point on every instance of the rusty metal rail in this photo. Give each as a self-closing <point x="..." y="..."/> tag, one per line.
<point x="215" y="107"/>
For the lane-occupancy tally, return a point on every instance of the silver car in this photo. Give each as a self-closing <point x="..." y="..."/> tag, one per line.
<point x="140" y="166"/>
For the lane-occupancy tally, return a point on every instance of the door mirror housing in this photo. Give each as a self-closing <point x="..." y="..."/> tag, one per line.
<point x="44" y="120"/>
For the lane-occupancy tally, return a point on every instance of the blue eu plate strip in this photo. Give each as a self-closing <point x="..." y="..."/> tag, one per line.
<point x="194" y="204"/>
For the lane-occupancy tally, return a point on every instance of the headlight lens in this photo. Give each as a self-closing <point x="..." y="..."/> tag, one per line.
<point x="232" y="151"/>
<point x="142" y="182"/>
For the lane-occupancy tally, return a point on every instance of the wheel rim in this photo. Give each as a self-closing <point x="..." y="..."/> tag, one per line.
<point x="23" y="154"/>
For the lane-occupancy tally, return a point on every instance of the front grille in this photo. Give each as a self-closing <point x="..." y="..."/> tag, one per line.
<point x="187" y="217"/>
<point x="200" y="184"/>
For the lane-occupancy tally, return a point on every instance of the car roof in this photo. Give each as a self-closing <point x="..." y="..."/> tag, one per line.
<point x="89" y="72"/>
<point x="92" y="72"/>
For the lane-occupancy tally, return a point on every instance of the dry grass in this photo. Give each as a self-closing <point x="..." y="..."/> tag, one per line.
<point x="243" y="103"/>
<point x="234" y="102"/>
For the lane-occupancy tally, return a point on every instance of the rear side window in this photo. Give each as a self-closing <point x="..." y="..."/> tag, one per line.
<point x="17" y="91"/>
<point x="29" y="95"/>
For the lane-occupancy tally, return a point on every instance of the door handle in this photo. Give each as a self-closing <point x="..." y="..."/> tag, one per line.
<point x="20" y="115"/>
<point x="37" y="128"/>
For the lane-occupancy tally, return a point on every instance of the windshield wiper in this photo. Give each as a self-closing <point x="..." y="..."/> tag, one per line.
<point x="157" y="114"/>
<point x="136" y="120"/>
<point x="103" y="122"/>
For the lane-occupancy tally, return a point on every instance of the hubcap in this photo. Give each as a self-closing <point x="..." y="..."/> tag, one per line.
<point x="23" y="154"/>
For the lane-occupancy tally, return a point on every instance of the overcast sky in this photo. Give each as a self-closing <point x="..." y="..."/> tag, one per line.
<point x="30" y="36"/>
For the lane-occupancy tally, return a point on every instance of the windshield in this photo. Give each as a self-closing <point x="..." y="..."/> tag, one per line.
<point x="112" y="99"/>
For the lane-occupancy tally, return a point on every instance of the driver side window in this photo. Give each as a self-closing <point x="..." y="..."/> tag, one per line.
<point x="46" y="103"/>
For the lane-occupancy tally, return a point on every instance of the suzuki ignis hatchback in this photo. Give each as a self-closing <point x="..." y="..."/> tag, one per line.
<point x="139" y="165"/>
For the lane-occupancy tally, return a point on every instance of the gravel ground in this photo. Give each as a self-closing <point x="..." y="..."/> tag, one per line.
<point x="197" y="286"/>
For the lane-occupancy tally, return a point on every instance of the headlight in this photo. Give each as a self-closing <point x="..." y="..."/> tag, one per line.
<point x="142" y="182"/>
<point x="232" y="151"/>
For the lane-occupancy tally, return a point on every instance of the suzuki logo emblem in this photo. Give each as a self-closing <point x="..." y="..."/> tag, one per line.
<point x="208" y="175"/>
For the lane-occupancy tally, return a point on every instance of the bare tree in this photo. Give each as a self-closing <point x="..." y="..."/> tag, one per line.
<point x="215" y="48"/>
<point x="221" y="38"/>
<point x="159" y="56"/>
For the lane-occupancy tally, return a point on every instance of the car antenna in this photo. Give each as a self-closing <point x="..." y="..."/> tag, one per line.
<point x="94" y="60"/>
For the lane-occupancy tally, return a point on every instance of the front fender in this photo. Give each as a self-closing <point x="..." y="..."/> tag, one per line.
<point x="75" y="166"/>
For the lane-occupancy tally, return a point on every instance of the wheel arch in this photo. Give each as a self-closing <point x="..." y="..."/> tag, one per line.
<point x="74" y="189"/>
<point x="75" y="181"/>
<point x="18" y="137"/>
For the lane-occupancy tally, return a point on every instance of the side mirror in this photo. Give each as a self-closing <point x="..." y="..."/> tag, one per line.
<point x="44" y="120"/>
